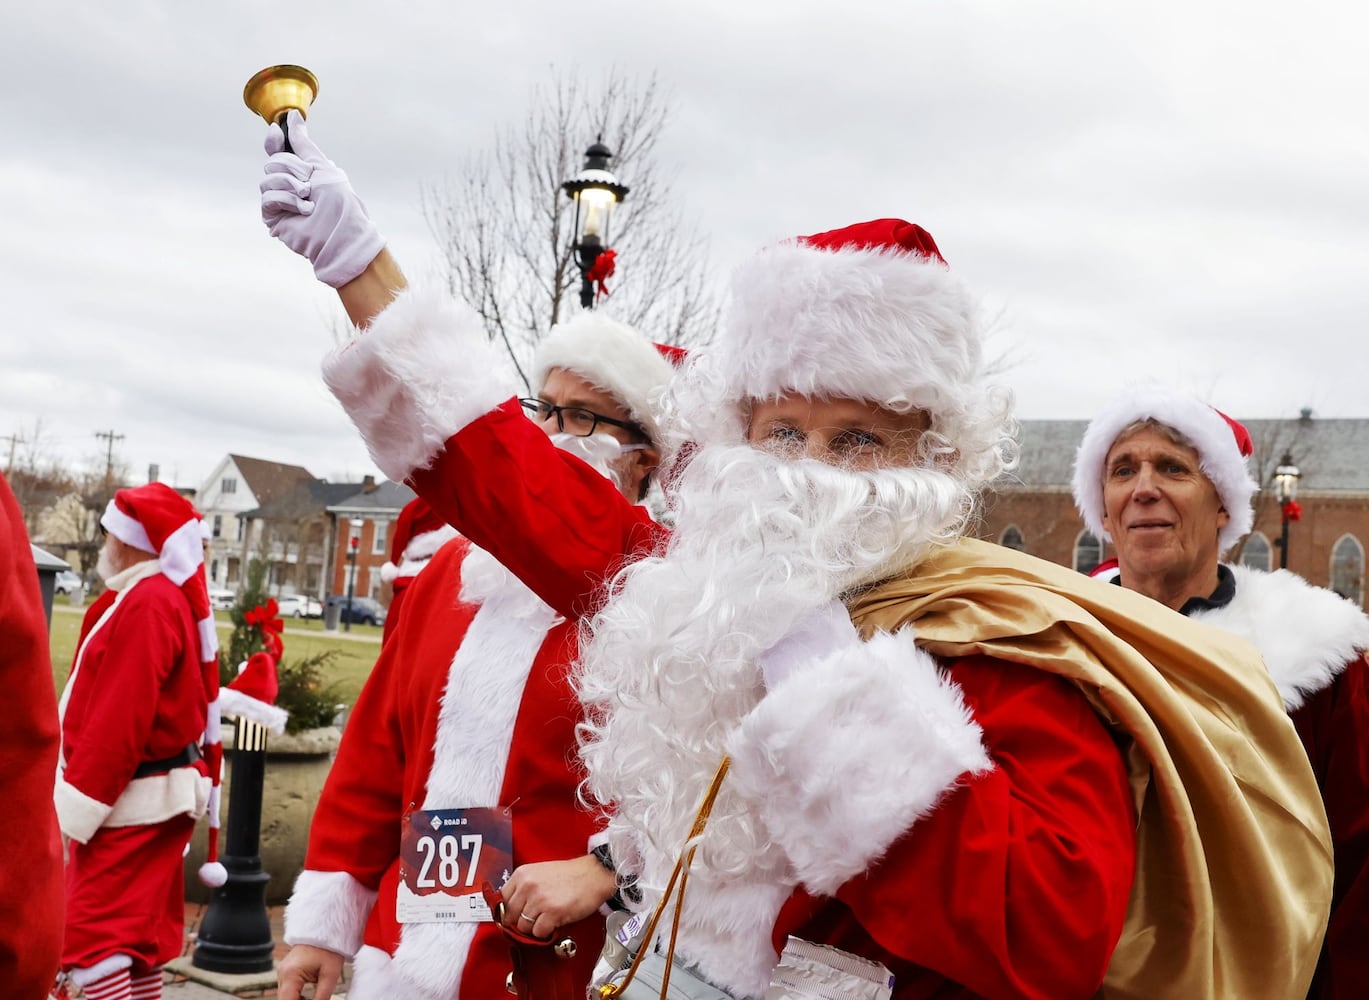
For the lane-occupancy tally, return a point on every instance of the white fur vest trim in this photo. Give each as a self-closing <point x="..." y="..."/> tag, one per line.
<point x="419" y="373"/>
<point x="1306" y="634"/>
<point x="839" y="761"/>
<point x="474" y="733"/>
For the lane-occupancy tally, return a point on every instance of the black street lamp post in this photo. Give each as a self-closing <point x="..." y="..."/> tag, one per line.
<point x="353" y="543"/>
<point x="595" y="191"/>
<point x="235" y="934"/>
<point x="1286" y="478"/>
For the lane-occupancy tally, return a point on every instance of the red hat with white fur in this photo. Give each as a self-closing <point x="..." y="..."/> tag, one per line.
<point x="156" y="519"/>
<point x="252" y="695"/>
<point x="615" y="358"/>
<point x="1223" y="445"/>
<point x="872" y="312"/>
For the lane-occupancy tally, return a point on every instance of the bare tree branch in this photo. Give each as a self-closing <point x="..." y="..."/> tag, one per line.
<point x="504" y="225"/>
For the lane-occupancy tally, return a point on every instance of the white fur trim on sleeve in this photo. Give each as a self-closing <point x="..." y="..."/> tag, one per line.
<point x="842" y="757"/>
<point x="419" y="373"/>
<point x="328" y="910"/>
<point x="78" y="814"/>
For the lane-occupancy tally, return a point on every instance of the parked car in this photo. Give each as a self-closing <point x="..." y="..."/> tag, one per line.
<point x="67" y="581"/>
<point x="299" y="606"/>
<point x="221" y="599"/>
<point x="364" y="611"/>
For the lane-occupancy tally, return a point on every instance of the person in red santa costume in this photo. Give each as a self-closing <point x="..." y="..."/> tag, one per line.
<point x="417" y="535"/>
<point x="1164" y="477"/>
<point x="944" y="758"/>
<point x="470" y="705"/>
<point x="139" y="745"/>
<point x="31" y="850"/>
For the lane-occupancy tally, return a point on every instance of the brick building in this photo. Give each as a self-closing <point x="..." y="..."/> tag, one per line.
<point x="1033" y="509"/>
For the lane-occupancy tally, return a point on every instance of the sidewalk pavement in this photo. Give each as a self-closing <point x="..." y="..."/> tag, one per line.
<point x="211" y="986"/>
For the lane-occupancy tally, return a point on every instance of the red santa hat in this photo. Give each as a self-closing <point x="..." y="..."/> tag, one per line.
<point x="417" y="534"/>
<point x="871" y="312"/>
<point x="1223" y="445"/>
<point x="252" y="695"/>
<point x="615" y="358"/>
<point x="158" y="520"/>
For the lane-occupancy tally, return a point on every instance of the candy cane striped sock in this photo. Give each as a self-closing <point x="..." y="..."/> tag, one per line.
<point x="148" y="986"/>
<point x="115" y="986"/>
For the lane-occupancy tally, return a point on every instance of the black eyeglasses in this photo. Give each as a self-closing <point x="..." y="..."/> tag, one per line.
<point x="574" y="420"/>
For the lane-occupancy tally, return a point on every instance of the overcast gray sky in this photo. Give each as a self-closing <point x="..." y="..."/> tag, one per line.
<point x="1174" y="189"/>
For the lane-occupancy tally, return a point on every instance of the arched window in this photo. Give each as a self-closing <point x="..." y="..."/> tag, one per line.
<point x="1347" y="569"/>
<point x="1088" y="552"/>
<point x="1257" y="553"/>
<point x="1012" y="539"/>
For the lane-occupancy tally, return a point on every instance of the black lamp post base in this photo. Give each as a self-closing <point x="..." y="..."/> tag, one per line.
<point x="235" y="933"/>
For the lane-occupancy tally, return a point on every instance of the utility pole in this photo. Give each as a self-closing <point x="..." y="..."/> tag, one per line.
<point x="15" y="440"/>
<point x="109" y="437"/>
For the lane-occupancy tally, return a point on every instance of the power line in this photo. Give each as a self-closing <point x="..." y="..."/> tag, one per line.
<point x="14" y="440"/>
<point x="110" y="437"/>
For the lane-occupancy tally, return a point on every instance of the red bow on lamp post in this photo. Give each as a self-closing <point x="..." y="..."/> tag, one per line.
<point x="1292" y="511"/>
<point x="266" y="617"/>
<point x="602" y="269"/>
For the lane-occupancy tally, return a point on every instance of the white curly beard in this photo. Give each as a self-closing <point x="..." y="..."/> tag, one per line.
<point x="669" y="668"/>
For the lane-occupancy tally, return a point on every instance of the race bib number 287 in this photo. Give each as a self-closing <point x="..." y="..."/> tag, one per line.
<point x="445" y="855"/>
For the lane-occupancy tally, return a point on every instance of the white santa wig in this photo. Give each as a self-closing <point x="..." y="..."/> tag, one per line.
<point x="869" y="312"/>
<point x="1222" y="445"/>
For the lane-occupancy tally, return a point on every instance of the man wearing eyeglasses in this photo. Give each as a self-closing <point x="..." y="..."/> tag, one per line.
<point x="470" y="708"/>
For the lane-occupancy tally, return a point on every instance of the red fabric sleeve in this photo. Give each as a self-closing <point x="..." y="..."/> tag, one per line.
<point x="1017" y="883"/>
<point x="1334" y="726"/>
<point x="30" y="850"/>
<point x="558" y="525"/>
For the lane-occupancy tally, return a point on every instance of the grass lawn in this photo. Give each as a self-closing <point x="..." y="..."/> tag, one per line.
<point x="356" y="650"/>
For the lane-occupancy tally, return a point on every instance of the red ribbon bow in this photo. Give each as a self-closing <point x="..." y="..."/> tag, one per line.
<point x="1292" y="511"/>
<point x="266" y="617"/>
<point x="602" y="269"/>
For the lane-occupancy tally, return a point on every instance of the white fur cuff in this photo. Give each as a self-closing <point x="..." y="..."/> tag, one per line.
<point x="328" y="910"/>
<point x="78" y="814"/>
<point x="843" y="757"/>
<point x="421" y="372"/>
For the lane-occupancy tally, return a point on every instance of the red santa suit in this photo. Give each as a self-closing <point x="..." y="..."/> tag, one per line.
<point x="1054" y="806"/>
<point x="139" y="713"/>
<point x="145" y="648"/>
<point x="476" y="711"/>
<point x="31" y="849"/>
<point x="1313" y="642"/>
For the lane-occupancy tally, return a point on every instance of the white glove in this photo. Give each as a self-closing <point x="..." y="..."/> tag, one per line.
<point x="307" y="204"/>
<point x="825" y="630"/>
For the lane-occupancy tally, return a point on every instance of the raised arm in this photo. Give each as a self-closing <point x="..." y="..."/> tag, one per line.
<point x="421" y="383"/>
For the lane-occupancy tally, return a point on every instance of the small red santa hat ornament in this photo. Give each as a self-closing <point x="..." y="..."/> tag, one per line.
<point x="612" y="356"/>
<point x="252" y="695"/>
<point x="1223" y="445"/>
<point x="156" y="519"/>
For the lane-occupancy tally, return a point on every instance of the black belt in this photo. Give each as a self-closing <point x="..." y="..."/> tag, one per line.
<point x="185" y="758"/>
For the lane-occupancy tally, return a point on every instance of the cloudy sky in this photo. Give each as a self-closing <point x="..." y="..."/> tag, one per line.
<point x="1174" y="189"/>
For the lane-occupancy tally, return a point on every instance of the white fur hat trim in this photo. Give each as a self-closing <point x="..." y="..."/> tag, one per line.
<point x="612" y="356"/>
<point x="1219" y="455"/>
